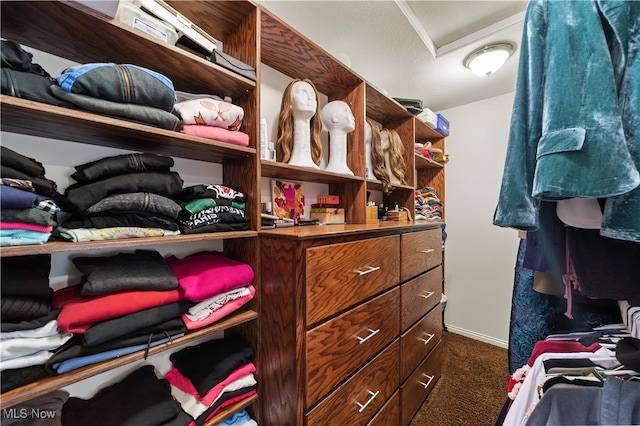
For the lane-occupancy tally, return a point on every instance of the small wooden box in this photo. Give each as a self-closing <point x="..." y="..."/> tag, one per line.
<point x="328" y="199"/>
<point x="372" y="214"/>
<point x="328" y="214"/>
<point x="398" y="216"/>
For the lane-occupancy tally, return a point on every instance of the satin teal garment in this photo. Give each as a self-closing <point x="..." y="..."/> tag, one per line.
<point x="575" y="120"/>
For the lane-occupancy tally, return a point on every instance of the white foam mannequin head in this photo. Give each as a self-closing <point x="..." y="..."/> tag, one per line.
<point x="336" y="115"/>
<point x="338" y="119"/>
<point x="368" y="140"/>
<point x="303" y="100"/>
<point x="304" y="104"/>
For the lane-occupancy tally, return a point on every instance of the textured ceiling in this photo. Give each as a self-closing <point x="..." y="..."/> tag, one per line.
<point x="389" y="52"/>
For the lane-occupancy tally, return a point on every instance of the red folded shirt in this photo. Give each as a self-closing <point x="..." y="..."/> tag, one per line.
<point x="78" y="313"/>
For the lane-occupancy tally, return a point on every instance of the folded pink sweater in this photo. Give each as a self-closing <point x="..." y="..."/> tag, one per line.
<point x="215" y="133"/>
<point x="207" y="273"/>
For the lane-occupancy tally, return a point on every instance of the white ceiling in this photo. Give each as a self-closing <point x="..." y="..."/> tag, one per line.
<point x="390" y="43"/>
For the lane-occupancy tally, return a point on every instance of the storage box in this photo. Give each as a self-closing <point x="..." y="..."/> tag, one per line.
<point x="442" y="126"/>
<point x="429" y="118"/>
<point x="328" y="199"/>
<point x="397" y="216"/>
<point x="142" y="21"/>
<point x="328" y="214"/>
<point x="372" y="215"/>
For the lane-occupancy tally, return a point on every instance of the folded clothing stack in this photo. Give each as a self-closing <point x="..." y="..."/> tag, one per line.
<point x="210" y="117"/>
<point x="209" y="376"/>
<point x="141" y="397"/>
<point x="29" y="327"/>
<point x="212" y="208"/>
<point x="122" y="196"/>
<point x="123" y="90"/>
<point x="24" y="79"/>
<point x="220" y="284"/>
<point x="427" y="204"/>
<point x="28" y="199"/>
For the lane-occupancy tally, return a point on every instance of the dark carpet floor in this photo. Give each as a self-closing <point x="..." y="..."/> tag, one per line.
<point x="473" y="385"/>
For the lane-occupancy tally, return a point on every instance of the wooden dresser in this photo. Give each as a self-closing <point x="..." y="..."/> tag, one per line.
<point x="350" y="323"/>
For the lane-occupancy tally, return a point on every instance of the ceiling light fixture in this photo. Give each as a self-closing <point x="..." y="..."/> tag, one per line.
<point x="489" y="59"/>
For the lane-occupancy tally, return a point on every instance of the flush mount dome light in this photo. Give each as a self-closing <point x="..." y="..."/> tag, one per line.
<point x="488" y="59"/>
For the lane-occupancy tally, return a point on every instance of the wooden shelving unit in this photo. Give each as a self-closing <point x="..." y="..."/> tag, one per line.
<point x="255" y="36"/>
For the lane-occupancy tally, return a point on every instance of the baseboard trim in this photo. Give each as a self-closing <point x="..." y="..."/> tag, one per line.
<point x="477" y="336"/>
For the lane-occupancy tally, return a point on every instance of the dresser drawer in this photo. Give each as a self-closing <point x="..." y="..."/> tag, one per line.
<point x="357" y="400"/>
<point x="419" y="295"/>
<point x="341" y="275"/>
<point x="389" y="415"/>
<point x="418" y="341"/>
<point x="420" y="251"/>
<point x="337" y="348"/>
<point x="415" y="390"/>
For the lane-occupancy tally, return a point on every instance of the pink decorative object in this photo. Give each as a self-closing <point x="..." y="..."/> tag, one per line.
<point x="288" y="199"/>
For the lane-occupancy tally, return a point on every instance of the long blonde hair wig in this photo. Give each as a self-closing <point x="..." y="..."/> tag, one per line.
<point x="284" y="143"/>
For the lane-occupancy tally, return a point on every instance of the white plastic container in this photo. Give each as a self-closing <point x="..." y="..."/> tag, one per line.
<point x="134" y="17"/>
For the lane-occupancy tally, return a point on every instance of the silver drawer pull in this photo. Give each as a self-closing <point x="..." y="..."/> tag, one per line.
<point x="426" y="385"/>
<point x="427" y="340"/>
<point x="372" y="333"/>
<point x="368" y="271"/>
<point x="428" y="295"/>
<point x="428" y="250"/>
<point x="364" y="406"/>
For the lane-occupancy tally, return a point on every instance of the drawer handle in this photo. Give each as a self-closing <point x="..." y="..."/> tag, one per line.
<point x="372" y="333"/>
<point x="427" y="340"/>
<point x="364" y="406"/>
<point x="428" y="295"/>
<point x="368" y="271"/>
<point x="426" y="385"/>
<point x="428" y="250"/>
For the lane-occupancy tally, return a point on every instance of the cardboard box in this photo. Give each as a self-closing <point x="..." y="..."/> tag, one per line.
<point x="328" y="199"/>
<point x="328" y="214"/>
<point x="372" y="215"/>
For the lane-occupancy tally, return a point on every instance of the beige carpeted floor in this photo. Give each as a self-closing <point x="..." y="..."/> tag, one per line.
<point x="472" y="388"/>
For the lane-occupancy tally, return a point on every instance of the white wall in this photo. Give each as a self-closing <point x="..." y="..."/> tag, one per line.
<point x="479" y="257"/>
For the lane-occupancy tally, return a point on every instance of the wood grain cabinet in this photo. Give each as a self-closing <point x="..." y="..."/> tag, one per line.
<point x="334" y="311"/>
<point x="421" y="319"/>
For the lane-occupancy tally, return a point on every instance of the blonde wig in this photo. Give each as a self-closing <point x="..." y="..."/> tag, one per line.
<point x="284" y="143"/>
<point x="377" y="157"/>
<point x="396" y="156"/>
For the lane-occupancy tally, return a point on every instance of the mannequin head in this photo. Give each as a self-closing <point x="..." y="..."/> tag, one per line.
<point x="304" y="100"/>
<point x="300" y="101"/>
<point x="336" y="115"/>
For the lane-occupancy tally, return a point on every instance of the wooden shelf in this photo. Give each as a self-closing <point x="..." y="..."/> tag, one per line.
<point x="226" y="412"/>
<point x="49" y="384"/>
<point x="424" y="133"/>
<point x="384" y="109"/>
<point x="83" y="35"/>
<point x="280" y="43"/>
<point x="284" y="171"/>
<point x="427" y="163"/>
<point x="67" y="246"/>
<point x="19" y="115"/>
